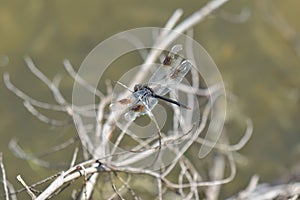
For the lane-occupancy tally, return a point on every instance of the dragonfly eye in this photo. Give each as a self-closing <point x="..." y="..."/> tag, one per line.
<point x="137" y="87"/>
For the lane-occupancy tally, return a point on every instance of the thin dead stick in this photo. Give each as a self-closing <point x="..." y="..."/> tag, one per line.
<point x="194" y="72"/>
<point x="89" y="187"/>
<point x="85" y="168"/>
<point x="100" y="115"/>
<point x="200" y="92"/>
<point x="210" y="183"/>
<point x="159" y="188"/>
<point x="116" y="190"/>
<point x="200" y="128"/>
<point x="57" y="183"/>
<point x="56" y="93"/>
<point x="58" y="147"/>
<point x="170" y="184"/>
<point x="12" y="191"/>
<point x="4" y="177"/>
<point x="171" y="23"/>
<point x="216" y="172"/>
<point x="44" y="105"/>
<point x="19" y="152"/>
<point x="25" y="97"/>
<point x="250" y="188"/>
<point x="74" y="157"/>
<point x="34" y="185"/>
<point x="69" y="68"/>
<point x="42" y="117"/>
<point x="83" y="134"/>
<point x="31" y="194"/>
<point x="226" y="147"/>
<point x="181" y="176"/>
<point x="127" y="186"/>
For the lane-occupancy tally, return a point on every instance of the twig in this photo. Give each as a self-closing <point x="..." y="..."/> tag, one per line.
<point x="12" y="191"/>
<point x="19" y="152"/>
<point x="42" y="117"/>
<point x="56" y="93"/>
<point x="25" y="97"/>
<point x="69" y="68"/>
<point x="31" y="194"/>
<point x="89" y="187"/>
<point x="4" y="177"/>
<point x="74" y="157"/>
<point x="236" y="147"/>
<point x="159" y="188"/>
<point x="58" y="147"/>
<point x="117" y="191"/>
<point x="126" y="185"/>
<point x="217" y="172"/>
<point x="85" y="168"/>
<point x="250" y="188"/>
<point x="34" y="102"/>
<point x="57" y="183"/>
<point x="83" y="134"/>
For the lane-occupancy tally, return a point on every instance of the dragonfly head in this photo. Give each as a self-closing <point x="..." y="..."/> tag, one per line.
<point x="137" y="87"/>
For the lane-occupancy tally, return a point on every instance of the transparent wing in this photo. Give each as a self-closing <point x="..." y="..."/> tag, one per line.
<point x="166" y="77"/>
<point x="136" y="104"/>
<point x="140" y="108"/>
<point x="168" y="64"/>
<point x="123" y="103"/>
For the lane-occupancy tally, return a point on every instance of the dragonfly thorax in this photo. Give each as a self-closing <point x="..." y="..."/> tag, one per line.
<point x="139" y="87"/>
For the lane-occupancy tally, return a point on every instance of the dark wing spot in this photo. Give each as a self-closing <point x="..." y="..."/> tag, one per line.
<point x="137" y="108"/>
<point x="125" y="101"/>
<point x="174" y="74"/>
<point x="167" y="61"/>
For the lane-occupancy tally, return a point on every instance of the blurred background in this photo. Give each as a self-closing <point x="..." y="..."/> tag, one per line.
<point x="255" y="45"/>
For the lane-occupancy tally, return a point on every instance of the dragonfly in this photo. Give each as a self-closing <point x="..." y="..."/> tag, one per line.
<point x="145" y="97"/>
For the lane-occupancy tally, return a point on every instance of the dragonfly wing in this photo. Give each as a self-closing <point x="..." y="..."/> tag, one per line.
<point x="164" y="79"/>
<point x="123" y="103"/>
<point x="179" y="72"/>
<point x="134" y="111"/>
<point x="167" y="65"/>
<point x="141" y="108"/>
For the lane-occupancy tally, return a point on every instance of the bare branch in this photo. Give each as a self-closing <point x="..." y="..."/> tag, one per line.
<point x="74" y="157"/>
<point x="69" y="68"/>
<point x="25" y="97"/>
<point x="31" y="194"/>
<point x="4" y="177"/>
<point x="56" y="93"/>
<point x="42" y="117"/>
